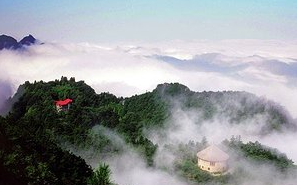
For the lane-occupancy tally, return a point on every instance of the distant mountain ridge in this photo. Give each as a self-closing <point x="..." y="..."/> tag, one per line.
<point x="8" y="42"/>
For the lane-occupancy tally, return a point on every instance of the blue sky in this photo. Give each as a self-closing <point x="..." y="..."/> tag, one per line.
<point x="151" y="20"/>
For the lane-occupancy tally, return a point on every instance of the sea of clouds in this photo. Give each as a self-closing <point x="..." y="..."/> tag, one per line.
<point x="265" y="68"/>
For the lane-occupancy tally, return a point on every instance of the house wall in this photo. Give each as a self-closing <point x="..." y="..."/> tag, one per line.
<point x="62" y="108"/>
<point x="212" y="167"/>
<point x="59" y="108"/>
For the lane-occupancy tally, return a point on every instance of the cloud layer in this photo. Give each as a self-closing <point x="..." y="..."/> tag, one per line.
<point x="266" y="68"/>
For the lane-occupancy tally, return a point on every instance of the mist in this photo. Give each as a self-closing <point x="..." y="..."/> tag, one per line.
<point x="187" y="125"/>
<point x="6" y="91"/>
<point x="128" y="166"/>
<point x="259" y="67"/>
<point x="265" y="68"/>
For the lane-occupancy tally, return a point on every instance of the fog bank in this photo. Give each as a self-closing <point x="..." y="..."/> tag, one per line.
<point x="265" y="68"/>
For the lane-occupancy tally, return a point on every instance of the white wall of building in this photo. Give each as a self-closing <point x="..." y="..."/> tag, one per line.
<point x="213" y="167"/>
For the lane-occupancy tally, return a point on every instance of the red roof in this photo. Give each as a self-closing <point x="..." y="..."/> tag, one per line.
<point x="63" y="102"/>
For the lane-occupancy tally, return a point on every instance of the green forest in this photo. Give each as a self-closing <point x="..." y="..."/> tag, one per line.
<point x="32" y="130"/>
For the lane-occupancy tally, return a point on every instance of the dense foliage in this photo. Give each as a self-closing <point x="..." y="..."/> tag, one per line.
<point x="237" y="107"/>
<point x="32" y="153"/>
<point x="185" y="162"/>
<point x="34" y="129"/>
<point x="32" y="133"/>
<point x="260" y="153"/>
<point x="101" y="176"/>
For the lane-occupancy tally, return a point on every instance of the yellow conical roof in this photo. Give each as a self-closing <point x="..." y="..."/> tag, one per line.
<point x="212" y="153"/>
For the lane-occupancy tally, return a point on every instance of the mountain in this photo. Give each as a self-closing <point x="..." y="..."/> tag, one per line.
<point x="27" y="41"/>
<point x="33" y="131"/>
<point x="236" y="107"/>
<point x="8" y="42"/>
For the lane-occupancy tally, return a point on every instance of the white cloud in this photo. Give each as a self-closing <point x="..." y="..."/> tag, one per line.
<point x="130" y="169"/>
<point x="127" y="69"/>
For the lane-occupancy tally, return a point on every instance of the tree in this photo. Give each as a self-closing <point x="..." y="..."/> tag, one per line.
<point x="101" y="176"/>
<point x="204" y="142"/>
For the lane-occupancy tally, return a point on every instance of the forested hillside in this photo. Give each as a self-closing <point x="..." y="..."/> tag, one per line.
<point x="31" y="133"/>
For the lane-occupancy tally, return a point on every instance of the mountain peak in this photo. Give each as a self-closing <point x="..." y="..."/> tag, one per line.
<point x="172" y="89"/>
<point x="28" y="40"/>
<point x="8" y="42"/>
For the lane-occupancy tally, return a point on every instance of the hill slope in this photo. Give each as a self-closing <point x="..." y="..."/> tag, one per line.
<point x="33" y="129"/>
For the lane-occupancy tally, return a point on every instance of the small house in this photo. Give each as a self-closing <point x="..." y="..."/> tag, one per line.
<point x="213" y="160"/>
<point x="63" y="105"/>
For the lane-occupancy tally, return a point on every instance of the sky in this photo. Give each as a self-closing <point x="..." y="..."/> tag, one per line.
<point x="153" y="20"/>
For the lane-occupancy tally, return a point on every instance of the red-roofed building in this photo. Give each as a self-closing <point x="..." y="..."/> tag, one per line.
<point x="63" y="105"/>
